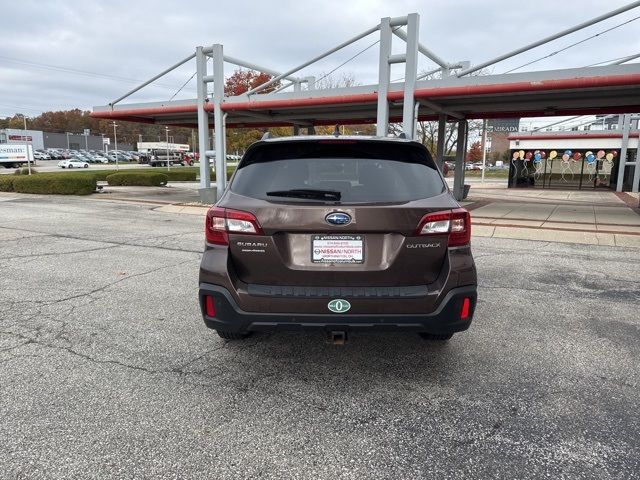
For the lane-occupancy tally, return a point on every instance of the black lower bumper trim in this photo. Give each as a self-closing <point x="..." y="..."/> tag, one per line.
<point x="445" y="319"/>
<point x="412" y="291"/>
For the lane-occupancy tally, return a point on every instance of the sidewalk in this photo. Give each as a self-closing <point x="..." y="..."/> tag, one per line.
<point x="585" y="217"/>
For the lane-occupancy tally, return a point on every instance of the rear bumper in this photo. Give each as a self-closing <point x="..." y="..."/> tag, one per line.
<point x="445" y="319"/>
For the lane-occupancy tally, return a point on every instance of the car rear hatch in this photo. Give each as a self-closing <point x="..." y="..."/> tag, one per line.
<point x="333" y="213"/>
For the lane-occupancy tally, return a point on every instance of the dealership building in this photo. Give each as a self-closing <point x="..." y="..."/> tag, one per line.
<point x="42" y="140"/>
<point x="585" y="159"/>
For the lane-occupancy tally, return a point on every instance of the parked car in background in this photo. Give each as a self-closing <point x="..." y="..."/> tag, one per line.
<point x="39" y="155"/>
<point x="101" y="157"/>
<point x="56" y="154"/>
<point x="73" y="163"/>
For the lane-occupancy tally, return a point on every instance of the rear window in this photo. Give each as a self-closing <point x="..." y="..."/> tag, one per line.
<point x="359" y="180"/>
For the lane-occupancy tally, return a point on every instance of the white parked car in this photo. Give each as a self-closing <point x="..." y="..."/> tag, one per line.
<point x="73" y="163"/>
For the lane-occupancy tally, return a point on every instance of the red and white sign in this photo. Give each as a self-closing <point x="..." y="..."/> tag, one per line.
<point x="20" y="138"/>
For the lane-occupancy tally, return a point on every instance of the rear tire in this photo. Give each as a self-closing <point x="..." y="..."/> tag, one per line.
<point x="436" y="337"/>
<point x="86" y="166"/>
<point x="231" y="335"/>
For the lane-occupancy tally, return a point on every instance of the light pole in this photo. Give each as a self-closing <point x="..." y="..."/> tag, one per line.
<point x="26" y="143"/>
<point x="484" y="149"/>
<point x="166" y="129"/>
<point x="68" y="147"/>
<point x="115" y="141"/>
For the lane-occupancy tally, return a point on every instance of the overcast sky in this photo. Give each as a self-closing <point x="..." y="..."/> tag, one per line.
<point x="64" y="54"/>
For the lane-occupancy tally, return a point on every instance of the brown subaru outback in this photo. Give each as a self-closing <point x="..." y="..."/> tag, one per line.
<point x="337" y="234"/>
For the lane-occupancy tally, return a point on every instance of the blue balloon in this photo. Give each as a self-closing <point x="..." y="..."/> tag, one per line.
<point x="591" y="158"/>
<point x="537" y="157"/>
<point x="568" y="152"/>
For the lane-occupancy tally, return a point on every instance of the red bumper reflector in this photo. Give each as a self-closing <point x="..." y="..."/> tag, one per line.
<point x="211" y="311"/>
<point x="466" y="305"/>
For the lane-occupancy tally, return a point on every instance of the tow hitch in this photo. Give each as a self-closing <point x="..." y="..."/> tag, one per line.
<point x="337" y="337"/>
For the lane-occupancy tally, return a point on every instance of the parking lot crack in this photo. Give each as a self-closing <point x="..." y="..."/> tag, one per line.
<point x="105" y="287"/>
<point x="58" y="254"/>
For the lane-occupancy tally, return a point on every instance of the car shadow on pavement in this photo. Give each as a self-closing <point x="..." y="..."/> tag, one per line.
<point x="288" y="358"/>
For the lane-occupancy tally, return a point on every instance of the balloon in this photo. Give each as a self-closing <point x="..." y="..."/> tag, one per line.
<point x="528" y="156"/>
<point x="577" y="156"/>
<point x="565" y="158"/>
<point x="552" y="154"/>
<point x="587" y="153"/>
<point x="591" y="158"/>
<point x="543" y="154"/>
<point x="609" y="156"/>
<point x="615" y="153"/>
<point x="600" y="154"/>
<point x="568" y="152"/>
<point x="537" y="156"/>
<point x="521" y="154"/>
<point x="515" y="155"/>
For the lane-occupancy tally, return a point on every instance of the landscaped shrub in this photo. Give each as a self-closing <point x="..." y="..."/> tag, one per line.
<point x="6" y="183"/>
<point x="175" y="174"/>
<point x="181" y="175"/>
<point x="55" y="183"/>
<point x="24" y="171"/>
<point x="150" y="179"/>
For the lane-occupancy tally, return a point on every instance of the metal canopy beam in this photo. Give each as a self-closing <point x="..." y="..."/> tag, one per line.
<point x="437" y="108"/>
<point x="203" y="125"/>
<point x="400" y="33"/>
<point x="153" y="79"/>
<point x="313" y="60"/>
<point x="218" y="119"/>
<point x="461" y="150"/>
<point x="622" y="162"/>
<point x="410" y="74"/>
<point x="383" y="78"/>
<point x="542" y="41"/>
<point x="253" y="66"/>
<point x="626" y="59"/>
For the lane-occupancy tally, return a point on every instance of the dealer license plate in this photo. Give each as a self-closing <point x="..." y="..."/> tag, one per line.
<point x="337" y="249"/>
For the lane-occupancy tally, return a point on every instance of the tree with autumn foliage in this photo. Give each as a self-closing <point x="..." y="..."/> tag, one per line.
<point x="244" y="80"/>
<point x="475" y="152"/>
<point x="241" y="81"/>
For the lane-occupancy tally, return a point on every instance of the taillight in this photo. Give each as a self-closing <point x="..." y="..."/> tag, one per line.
<point x="466" y="308"/>
<point x="460" y="228"/>
<point x="209" y="306"/>
<point x="456" y="222"/>
<point x="222" y="221"/>
<point x="216" y="227"/>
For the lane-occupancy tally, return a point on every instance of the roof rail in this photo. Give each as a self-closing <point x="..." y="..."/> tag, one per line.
<point x="266" y="136"/>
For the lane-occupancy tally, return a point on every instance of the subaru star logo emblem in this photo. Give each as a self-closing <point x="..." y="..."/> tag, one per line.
<point x="338" y="218"/>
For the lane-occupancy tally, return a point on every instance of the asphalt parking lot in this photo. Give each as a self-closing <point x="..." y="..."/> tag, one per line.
<point x="107" y="371"/>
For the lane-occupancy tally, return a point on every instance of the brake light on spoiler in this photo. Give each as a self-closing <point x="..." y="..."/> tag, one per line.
<point x="222" y="221"/>
<point x="456" y="223"/>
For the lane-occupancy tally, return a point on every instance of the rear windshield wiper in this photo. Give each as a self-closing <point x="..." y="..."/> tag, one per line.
<point x="307" y="193"/>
